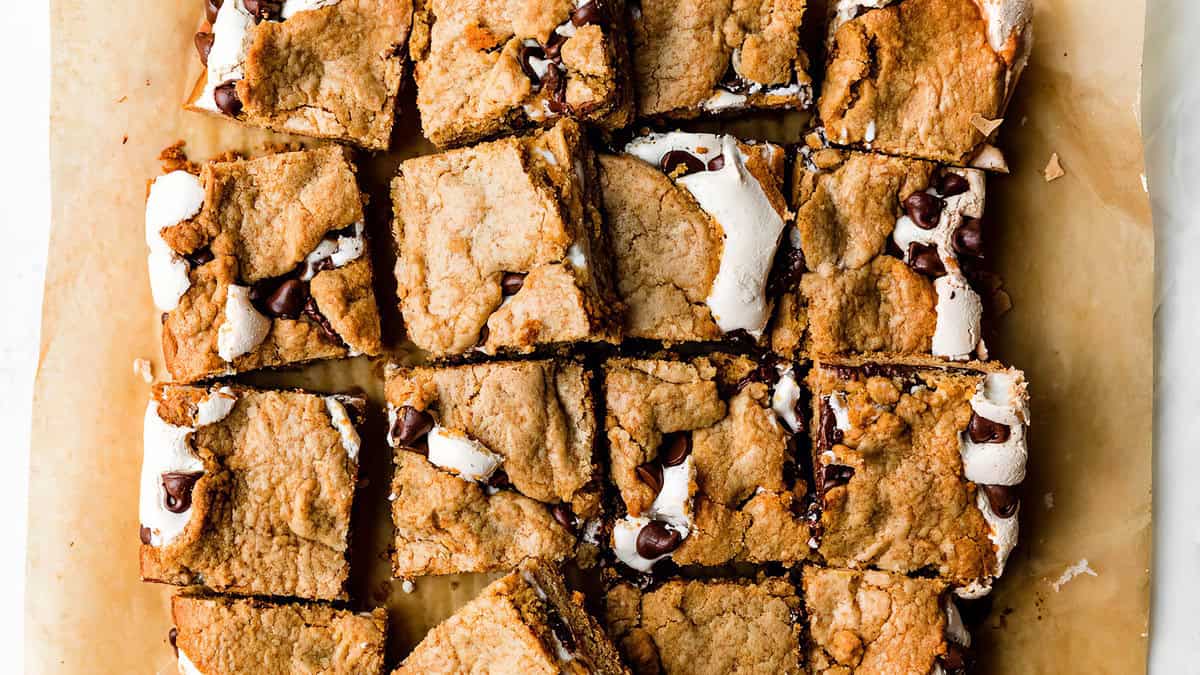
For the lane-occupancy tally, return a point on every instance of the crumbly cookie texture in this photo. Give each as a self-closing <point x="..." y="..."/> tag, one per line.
<point x="241" y="536"/>
<point x="713" y="56"/>
<point x="890" y="70"/>
<point x="708" y="627"/>
<point x="484" y="68"/>
<point x="525" y="623"/>
<point x="260" y="222"/>
<point x="871" y="623"/>
<point x="534" y="421"/>
<point x="330" y="72"/>
<point x="220" y="635"/>
<point x="502" y="246"/>
<point x="713" y="418"/>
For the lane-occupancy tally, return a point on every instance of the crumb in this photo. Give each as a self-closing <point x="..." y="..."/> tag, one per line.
<point x="1054" y="169"/>
<point x="408" y="586"/>
<point x="392" y="497"/>
<point x="1048" y="500"/>
<point x="1073" y="571"/>
<point x="143" y="369"/>
<point x="984" y="125"/>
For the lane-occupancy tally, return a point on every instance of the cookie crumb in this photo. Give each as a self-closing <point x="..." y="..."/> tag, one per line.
<point x="1073" y="571"/>
<point x="984" y="125"/>
<point x="408" y="586"/>
<point x="143" y="369"/>
<point x="1054" y="169"/>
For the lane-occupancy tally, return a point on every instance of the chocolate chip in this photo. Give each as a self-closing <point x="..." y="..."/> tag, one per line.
<point x="484" y="332"/>
<point x="314" y="314"/>
<point x="263" y="9"/>
<point x="565" y="517"/>
<point x="716" y="163"/>
<point x="204" y="43"/>
<point x="411" y="425"/>
<point x="589" y="12"/>
<point x="953" y="659"/>
<point x="511" y="282"/>
<point x="828" y="434"/>
<point x="201" y="256"/>
<point x="656" y="539"/>
<point x="178" y="487"/>
<point x="525" y="55"/>
<point x="226" y="98"/>
<point x="561" y="631"/>
<point x="1002" y="499"/>
<point x="651" y="474"/>
<point x="982" y="430"/>
<point x="924" y="209"/>
<point x="834" y="475"/>
<point x="211" y="7"/>
<point x="173" y="638"/>
<point x="556" y="84"/>
<point x="924" y="259"/>
<point x="288" y="300"/>
<point x="951" y="184"/>
<point x="787" y="269"/>
<point x="499" y="479"/>
<point x="763" y="372"/>
<point x="968" y="238"/>
<point x="732" y="82"/>
<point x="674" y="159"/>
<point x="144" y="534"/>
<point x="675" y="448"/>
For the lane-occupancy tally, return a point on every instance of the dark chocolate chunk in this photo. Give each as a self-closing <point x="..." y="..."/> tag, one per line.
<point x="716" y="163"/>
<point x="924" y="259"/>
<point x="833" y="475"/>
<point x="554" y="45"/>
<point x="828" y="435"/>
<point x="556" y="84"/>
<point x="982" y="430"/>
<point x="1002" y="499"/>
<point x="288" y="300"/>
<point x="676" y="158"/>
<point x="511" y="282"/>
<point x="226" y="98"/>
<point x="525" y="55"/>
<point x="499" y="479"/>
<point x="656" y="539"/>
<point x="733" y="82"/>
<point x="588" y="12"/>
<point x="144" y="534"/>
<point x="178" y="487"/>
<point x="410" y="426"/>
<point x="651" y="474"/>
<point x="201" y="256"/>
<point x="954" y="660"/>
<point x="565" y="517"/>
<point x="675" y="448"/>
<point x="924" y="209"/>
<point x="314" y="314"/>
<point x="264" y="9"/>
<point x="211" y="7"/>
<point x="204" y="43"/>
<point x="950" y="184"/>
<point x="787" y="269"/>
<point x="968" y="238"/>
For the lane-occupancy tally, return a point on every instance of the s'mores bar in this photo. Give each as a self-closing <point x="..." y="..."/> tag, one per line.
<point x="695" y="220"/>
<point x="893" y="249"/>
<point x="924" y="78"/>
<point x="487" y="68"/>
<point x="494" y="463"/>
<point x="874" y="623"/>
<point x="324" y="68"/>
<point x="502" y="246"/>
<point x="249" y="491"/>
<point x="917" y="468"/>
<point x="525" y="623"/>
<point x="702" y="57"/>
<point x="222" y="635"/>
<point x="703" y="454"/>
<point x="692" y="627"/>
<point x="260" y="263"/>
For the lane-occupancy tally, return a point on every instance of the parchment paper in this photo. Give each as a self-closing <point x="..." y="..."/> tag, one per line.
<point x="1077" y="255"/>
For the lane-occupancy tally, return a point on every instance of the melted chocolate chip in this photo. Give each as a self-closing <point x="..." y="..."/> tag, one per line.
<point x="674" y="159"/>
<point x="982" y="430"/>
<point x="675" y="448"/>
<point x="288" y="299"/>
<point x="954" y="660"/>
<point x="499" y="479"/>
<point x="565" y="517"/>
<point x="828" y="435"/>
<point x="511" y="282"/>
<point x="924" y="259"/>
<point x="211" y="7"/>
<point x="173" y="638"/>
<point x="201" y="256"/>
<point x="1002" y="499"/>
<point x="525" y="55"/>
<point x="204" y="43"/>
<point x="178" y="487"/>
<point x="716" y="163"/>
<point x="968" y="238"/>
<point x="314" y="314"/>
<point x="411" y="426"/>
<point x="652" y="475"/>
<point x="263" y="9"/>
<point x="950" y="184"/>
<point x="588" y="13"/>
<point x="554" y="45"/>
<point x="732" y="82"/>
<point x="226" y="98"/>
<point x="144" y="534"/>
<point x="561" y="631"/>
<point x="556" y="84"/>
<point x="833" y="475"/>
<point x="656" y="539"/>
<point x="924" y="209"/>
<point x="787" y="269"/>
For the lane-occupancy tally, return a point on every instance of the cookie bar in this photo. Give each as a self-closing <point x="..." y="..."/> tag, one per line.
<point x="324" y="68"/>
<point x="874" y="623"/>
<point x="502" y="246"/>
<point x="260" y="263"/>
<point x="486" y="68"/>
<point x="893" y="247"/>
<point x="221" y="635"/>
<point x="708" y="627"/>
<point x="711" y="57"/>
<point x="924" y="78"/>
<point x="695" y="220"/>
<point x="917" y="468"/>
<point x="249" y="491"/>
<point x="703" y="455"/>
<point x="526" y="622"/>
<point x="494" y="463"/>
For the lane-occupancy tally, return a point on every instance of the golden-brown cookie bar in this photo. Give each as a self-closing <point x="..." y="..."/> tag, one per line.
<point x="701" y="57"/>
<point x="249" y="491"/>
<point x="324" y="68"/>
<point x="703" y="454"/>
<point x="892" y="249"/>
<point x="920" y="77"/>
<point x="485" y="68"/>
<point x="917" y="468"/>
<point x="694" y="220"/>
<point x="495" y="463"/>
<point x="693" y="627"/>
<point x="260" y="263"/>
<point x="502" y="246"/>
<point x="221" y="635"/>
<point x="526" y="623"/>
<point x="874" y="623"/>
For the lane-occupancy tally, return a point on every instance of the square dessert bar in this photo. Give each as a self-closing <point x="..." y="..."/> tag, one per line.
<point x="703" y="454"/>
<point x="697" y="57"/>
<point x="692" y="627"/>
<point x="486" y="68"/>
<point x="324" y="68"/>
<point x="920" y="78"/>
<point x="260" y="263"/>
<point x="502" y="246"/>
<point x="695" y="221"/>
<point x="249" y="491"/>
<point x="874" y="623"/>
<point x="494" y="463"/>
<point x="221" y="635"/>
<point x="524" y="623"/>
<point x="917" y="468"/>
<point x="893" y="249"/>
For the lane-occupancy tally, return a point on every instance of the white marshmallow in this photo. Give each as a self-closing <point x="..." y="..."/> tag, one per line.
<point x="956" y="630"/>
<point x="785" y="397"/>
<point x="1003" y="533"/>
<point x="466" y="457"/>
<point x="186" y="667"/>
<point x="345" y="427"/>
<point x="339" y="253"/>
<point x="959" y="312"/>
<point x="577" y="256"/>
<point x="841" y="413"/>
<point x="215" y="407"/>
<point x="673" y="505"/>
<point x="227" y="58"/>
<point x="174" y="198"/>
<point x="165" y="449"/>
<point x="293" y="7"/>
<point x="723" y="100"/>
<point x="244" y="328"/>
